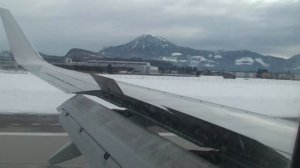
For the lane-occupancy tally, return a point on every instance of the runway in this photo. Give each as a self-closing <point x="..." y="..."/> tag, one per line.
<point x="26" y="141"/>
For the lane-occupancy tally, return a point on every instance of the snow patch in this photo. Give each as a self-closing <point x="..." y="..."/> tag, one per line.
<point x="218" y="56"/>
<point x="182" y="60"/>
<point x="209" y="65"/>
<point x="176" y="54"/>
<point x="135" y="44"/>
<point x="261" y="61"/>
<point x="244" y="61"/>
<point x="200" y="58"/>
<point x="165" y="45"/>
<point x="171" y="59"/>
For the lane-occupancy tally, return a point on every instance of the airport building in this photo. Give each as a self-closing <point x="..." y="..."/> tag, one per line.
<point x="115" y="66"/>
<point x="136" y="67"/>
<point x="6" y="64"/>
<point x="245" y="74"/>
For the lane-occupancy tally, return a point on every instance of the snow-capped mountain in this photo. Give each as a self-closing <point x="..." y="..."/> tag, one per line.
<point x="154" y="47"/>
<point x="148" y="47"/>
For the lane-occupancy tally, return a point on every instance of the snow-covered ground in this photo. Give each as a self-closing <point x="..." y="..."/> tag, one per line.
<point x="25" y="93"/>
<point x="270" y="97"/>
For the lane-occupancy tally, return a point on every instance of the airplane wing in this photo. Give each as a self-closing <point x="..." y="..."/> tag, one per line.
<point x="240" y="137"/>
<point x="104" y="136"/>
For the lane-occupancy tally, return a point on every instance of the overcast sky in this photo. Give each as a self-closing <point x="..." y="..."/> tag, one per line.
<point x="55" y="26"/>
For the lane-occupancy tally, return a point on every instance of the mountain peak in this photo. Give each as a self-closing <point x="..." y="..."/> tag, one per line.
<point x="150" y="41"/>
<point x="151" y="36"/>
<point x="146" y="45"/>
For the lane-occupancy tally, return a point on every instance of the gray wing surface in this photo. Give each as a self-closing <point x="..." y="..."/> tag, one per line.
<point x="27" y="56"/>
<point x="109" y="140"/>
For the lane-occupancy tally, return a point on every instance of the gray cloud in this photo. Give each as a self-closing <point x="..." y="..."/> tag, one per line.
<point x="265" y="26"/>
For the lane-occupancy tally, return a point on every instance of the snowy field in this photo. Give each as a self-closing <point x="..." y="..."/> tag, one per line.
<point x="25" y="93"/>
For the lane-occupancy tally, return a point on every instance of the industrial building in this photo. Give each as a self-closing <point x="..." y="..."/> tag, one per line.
<point x="136" y="67"/>
<point x="113" y="66"/>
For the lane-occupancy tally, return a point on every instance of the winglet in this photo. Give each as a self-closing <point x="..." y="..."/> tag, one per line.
<point x="21" y="48"/>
